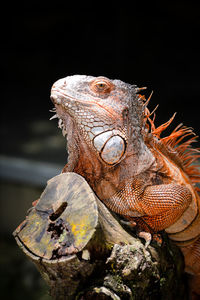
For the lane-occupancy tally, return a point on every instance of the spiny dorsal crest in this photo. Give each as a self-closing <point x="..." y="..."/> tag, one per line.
<point x="177" y="143"/>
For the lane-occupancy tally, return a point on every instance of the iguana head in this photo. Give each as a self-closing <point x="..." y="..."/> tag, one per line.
<point x="107" y="113"/>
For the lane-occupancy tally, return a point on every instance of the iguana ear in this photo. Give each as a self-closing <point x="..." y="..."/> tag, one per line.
<point x="125" y="115"/>
<point x="128" y="118"/>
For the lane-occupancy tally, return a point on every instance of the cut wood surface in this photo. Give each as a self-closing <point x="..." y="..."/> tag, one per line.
<point x="83" y="252"/>
<point x="63" y="220"/>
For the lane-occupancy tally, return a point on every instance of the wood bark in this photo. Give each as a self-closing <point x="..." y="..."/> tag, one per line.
<point x="83" y="252"/>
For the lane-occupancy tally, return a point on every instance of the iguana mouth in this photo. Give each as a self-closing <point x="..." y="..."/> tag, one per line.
<point x="58" y="97"/>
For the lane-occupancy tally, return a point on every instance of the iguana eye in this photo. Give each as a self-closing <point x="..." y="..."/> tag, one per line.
<point x="101" y="86"/>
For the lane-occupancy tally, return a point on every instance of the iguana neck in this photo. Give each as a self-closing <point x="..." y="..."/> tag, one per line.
<point x="85" y="161"/>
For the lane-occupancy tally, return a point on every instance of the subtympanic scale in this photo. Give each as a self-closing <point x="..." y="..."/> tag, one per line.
<point x="110" y="145"/>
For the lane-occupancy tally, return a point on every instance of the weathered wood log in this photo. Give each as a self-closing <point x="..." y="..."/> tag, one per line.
<point x="83" y="252"/>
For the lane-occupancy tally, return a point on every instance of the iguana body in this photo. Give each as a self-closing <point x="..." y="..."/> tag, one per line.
<point x="114" y="144"/>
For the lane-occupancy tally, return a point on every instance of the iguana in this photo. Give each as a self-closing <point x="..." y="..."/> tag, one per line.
<point x="114" y="144"/>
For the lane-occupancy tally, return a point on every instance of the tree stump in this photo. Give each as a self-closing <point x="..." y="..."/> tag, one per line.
<point x="82" y="251"/>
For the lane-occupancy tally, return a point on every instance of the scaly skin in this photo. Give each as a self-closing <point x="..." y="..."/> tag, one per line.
<point x="114" y="144"/>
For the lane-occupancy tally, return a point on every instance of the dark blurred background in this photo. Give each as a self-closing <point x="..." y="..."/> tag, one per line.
<point x="148" y="43"/>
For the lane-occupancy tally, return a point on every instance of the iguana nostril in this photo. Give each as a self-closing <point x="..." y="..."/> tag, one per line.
<point x="61" y="83"/>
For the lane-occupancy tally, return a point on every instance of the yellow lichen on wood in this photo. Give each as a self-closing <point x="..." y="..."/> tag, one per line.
<point x="60" y="223"/>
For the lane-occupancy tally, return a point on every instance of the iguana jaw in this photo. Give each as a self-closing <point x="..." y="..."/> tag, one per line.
<point x="109" y="143"/>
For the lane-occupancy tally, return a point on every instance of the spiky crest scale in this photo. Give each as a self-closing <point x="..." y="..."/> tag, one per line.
<point x="178" y="150"/>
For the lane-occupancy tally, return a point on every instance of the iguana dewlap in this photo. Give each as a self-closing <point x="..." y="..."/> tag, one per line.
<point x="114" y="144"/>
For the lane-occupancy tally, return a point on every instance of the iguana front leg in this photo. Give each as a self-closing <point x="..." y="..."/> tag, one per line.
<point x="159" y="206"/>
<point x="164" y="204"/>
